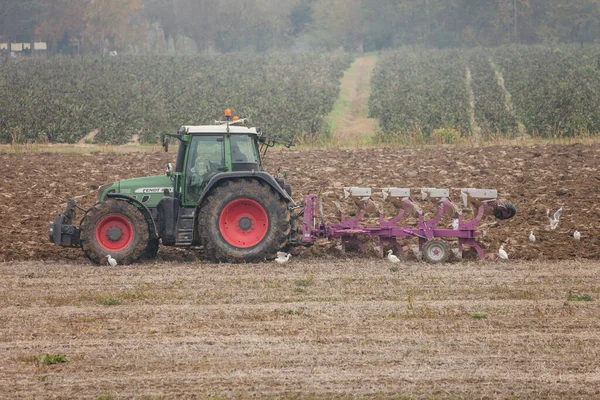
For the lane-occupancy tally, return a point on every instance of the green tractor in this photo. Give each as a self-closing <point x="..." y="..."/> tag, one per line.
<point x="217" y="197"/>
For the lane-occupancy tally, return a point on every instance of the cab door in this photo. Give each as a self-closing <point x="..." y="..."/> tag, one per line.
<point x="206" y="158"/>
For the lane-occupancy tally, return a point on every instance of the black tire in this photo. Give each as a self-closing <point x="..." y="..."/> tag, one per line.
<point x="151" y="250"/>
<point x="120" y="210"/>
<point x="436" y="251"/>
<point x="276" y="232"/>
<point x="504" y="211"/>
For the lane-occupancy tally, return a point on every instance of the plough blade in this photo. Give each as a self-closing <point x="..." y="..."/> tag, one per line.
<point x="362" y="194"/>
<point x="475" y="196"/>
<point x="435" y="194"/>
<point x="400" y="199"/>
<point x="427" y="232"/>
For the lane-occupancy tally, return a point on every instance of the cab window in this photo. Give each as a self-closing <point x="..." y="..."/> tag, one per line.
<point x="244" y="155"/>
<point x="206" y="158"/>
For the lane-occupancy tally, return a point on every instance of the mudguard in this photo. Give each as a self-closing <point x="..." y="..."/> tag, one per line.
<point x="145" y="211"/>
<point x="261" y="176"/>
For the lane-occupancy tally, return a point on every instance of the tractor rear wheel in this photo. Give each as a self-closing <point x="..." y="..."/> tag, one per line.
<point x="436" y="251"/>
<point x="117" y="228"/>
<point x="243" y="220"/>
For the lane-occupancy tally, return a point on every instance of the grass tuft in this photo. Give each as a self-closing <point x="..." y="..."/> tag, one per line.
<point x="110" y="302"/>
<point x="585" y="297"/>
<point x="54" y="359"/>
<point x="479" y="316"/>
<point x="304" y="282"/>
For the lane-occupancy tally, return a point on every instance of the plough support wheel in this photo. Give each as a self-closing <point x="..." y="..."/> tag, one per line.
<point x="436" y="251"/>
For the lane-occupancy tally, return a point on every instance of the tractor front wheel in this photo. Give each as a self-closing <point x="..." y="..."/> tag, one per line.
<point x="243" y="220"/>
<point x="117" y="228"/>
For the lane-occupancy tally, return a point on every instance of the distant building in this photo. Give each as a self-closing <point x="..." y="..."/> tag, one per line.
<point x="20" y="47"/>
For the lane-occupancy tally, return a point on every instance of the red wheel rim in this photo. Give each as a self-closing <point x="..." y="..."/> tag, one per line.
<point x="114" y="233"/>
<point x="243" y="223"/>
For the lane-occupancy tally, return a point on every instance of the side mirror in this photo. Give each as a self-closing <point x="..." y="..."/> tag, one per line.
<point x="169" y="170"/>
<point x="165" y="143"/>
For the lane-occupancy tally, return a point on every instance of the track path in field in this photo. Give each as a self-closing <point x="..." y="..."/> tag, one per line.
<point x="350" y="122"/>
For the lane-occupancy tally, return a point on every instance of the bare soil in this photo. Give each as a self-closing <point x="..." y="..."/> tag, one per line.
<point x="306" y="329"/>
<point x="35" y="187"/>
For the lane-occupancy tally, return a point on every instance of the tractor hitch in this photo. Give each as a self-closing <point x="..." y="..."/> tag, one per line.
<point x="62" y="231"/>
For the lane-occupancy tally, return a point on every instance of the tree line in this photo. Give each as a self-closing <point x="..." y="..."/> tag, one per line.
<point x="96" y="26"/>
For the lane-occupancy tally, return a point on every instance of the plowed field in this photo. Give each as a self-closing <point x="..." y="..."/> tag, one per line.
<point x="33" y="188"/>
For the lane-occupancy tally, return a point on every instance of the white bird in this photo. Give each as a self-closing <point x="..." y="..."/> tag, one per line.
<point x="554" y="219"/>
<point x="531" y="237"/>
<point x="111" y="261"/>
<point x="282" y="257"/>
<point x="455" y="224"/>
<point x="577" y="236"/>
<point x="502" y="254"/>
<point x="392" y="257"/>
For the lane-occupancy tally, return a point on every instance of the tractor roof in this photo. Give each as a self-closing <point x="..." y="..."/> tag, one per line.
<point x="208" y="129"/>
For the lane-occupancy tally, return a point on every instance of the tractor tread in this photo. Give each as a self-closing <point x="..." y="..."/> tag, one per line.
<point x="278" y="233"/>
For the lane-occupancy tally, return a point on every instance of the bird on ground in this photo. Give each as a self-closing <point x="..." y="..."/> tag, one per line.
<point x="555" y="218"/>
<point x="455" y="224"/>
<point x="577" y="236"/>
<point x="502" y="254"/>
<point x="392" y="257"/>
<point x="282" y="257"/>
<point x="111" y="261"/>
<point x="532" y="237"/>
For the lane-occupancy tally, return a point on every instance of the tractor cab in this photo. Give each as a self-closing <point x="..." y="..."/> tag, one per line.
<point x="205" y="151"/>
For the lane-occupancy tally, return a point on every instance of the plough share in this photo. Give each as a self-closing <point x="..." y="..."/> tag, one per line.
<point x="430" y="237"/>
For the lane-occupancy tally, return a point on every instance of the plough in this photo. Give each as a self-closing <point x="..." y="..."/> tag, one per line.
<point x="430" y="237"/>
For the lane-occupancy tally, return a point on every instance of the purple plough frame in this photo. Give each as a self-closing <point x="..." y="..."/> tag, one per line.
<point x="388" y="232"/>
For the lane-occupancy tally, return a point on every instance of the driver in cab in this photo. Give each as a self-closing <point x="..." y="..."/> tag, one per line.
<point x="209" y="159"/>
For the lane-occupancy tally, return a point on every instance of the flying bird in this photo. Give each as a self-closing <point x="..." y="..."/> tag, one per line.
<point x="111" y="261"/>
<point x="577" y="236"/>
<point x="554" y="219"/>
<point x="502" y="254"/>
<point x="392" y="257"/>
<point x="282" y="257"/>
<point x="532" y="237"/>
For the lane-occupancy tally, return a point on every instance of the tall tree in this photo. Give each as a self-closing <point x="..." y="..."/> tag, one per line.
<point x="339" y="23"/>
<point x="112" y="22"/>
<point x="18" y="19"/>
<point x="164" y="12"/>
<point x="61" y="21"/>
<point x="198" y="20"/>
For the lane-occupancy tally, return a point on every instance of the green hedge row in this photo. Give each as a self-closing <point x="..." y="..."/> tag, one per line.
<point x="552" y="91"/>
<point x="420" y="91"/>
<point x="62" y="99"/>
<point x="555" y="91"/>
